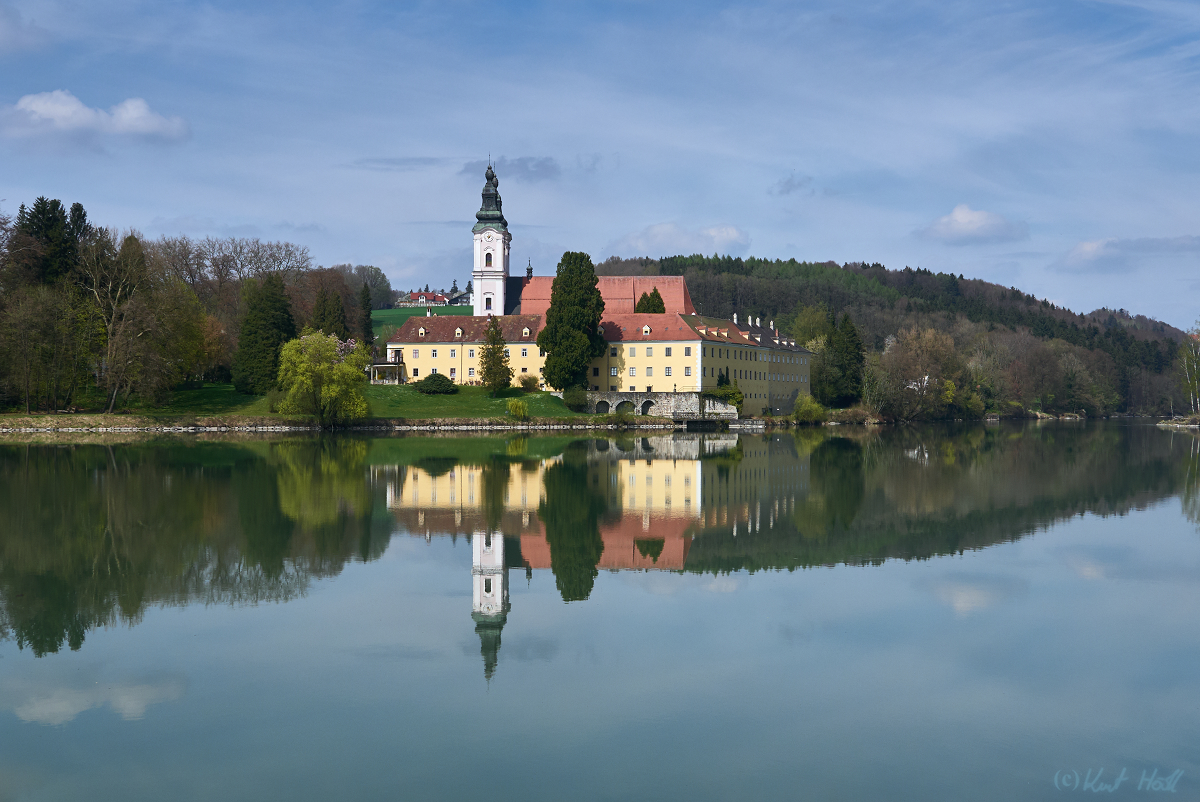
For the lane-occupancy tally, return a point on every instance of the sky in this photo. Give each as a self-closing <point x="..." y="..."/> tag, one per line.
<point x="1050" y="146"/>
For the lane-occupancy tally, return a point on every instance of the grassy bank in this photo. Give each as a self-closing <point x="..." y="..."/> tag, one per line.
<point x="220" y="402"/>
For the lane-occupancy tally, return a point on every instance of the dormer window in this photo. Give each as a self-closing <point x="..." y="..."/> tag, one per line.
<point x="458" y="332"/>
<point x="525" y="332"/>
<point x="421" y="332"/>
<point x="645" y="331"/>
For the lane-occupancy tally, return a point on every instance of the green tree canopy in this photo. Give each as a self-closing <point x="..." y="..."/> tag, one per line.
<point x="651" y="303"/>
<point x="571" y="337"/>
<point x="322" y="377"/>
<point x="267" y="326"/>
<point x="47" y="240"/>
<point x="494" y="370"/>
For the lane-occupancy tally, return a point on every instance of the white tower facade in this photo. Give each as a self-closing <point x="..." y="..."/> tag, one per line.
<point x="489" y="579"/>
<point x="492" y="242"/>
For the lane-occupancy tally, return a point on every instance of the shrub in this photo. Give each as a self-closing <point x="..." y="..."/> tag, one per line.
<point x="529" y="383"/>
<point x="576" y="399"/>
<point x="809" y="411"/>
<point x="436" y="384"/>
<point x="729" y="393"/>
<point x="856" y="415"/>
<point x="518" y="409"/>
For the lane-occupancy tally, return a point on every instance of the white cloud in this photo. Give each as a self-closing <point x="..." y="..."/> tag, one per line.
<point x="967" y="593"/>
<point x="61" y="112"/>
<point x="967" y="226"/>
<point x="1112" y="253"/>
<point x="49" y="704"/>
<point x="669" y="239"/>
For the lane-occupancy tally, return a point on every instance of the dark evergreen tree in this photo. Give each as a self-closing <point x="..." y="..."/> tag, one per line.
<point x="847" y="347"/>
<point x="454" y="285"/>
<point x="365" y="325"/>
<point x="494" y="370"/>
<point x="571" y="337"/>
<point x="651" y="303"/>
<point x="50" y="250"/>
<point x="329" y="314"/>
<point x="267" y="326"/>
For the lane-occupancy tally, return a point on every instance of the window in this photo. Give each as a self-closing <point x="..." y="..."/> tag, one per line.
<point x="612" y="387"/>
<point x="645" y="330"/>
<point x="434" y="354"/>
<point x="649" y="371"/>
<point x="541" y="352"/>
<point x="525" y="333"/>
<point x="632" y="389"/>
<point x="687" y="350"/>
<point x="421" y="332"/>
<point x="649" y="351"/>
<point x="612" y="351"/>
<point x="416" y="353"/>
<point x="487" y="303"/>
<point x="525" y="351"/>
<point x="433" y="370"/>
<point x="612" y="371"/>
<point x="471" y="353"/>
<point x="506" y="352"/>
<point x="633" y="371"/>
<point x="487" y="583"/>
<point x="470" y="373"/>
<point x="668" y="351"/>
<point x="666" y="371"/>
<point x="524" y="370"/>
<point x="487" y="259"/>
<point x="416" y="373"/>
<point x="687" y="371"/>
<point x="458" y="332"/>
<point x="633" y="351"/>
<point x="452" y="372"/>
<point x="595" y="371"/>
<point x="453" y="353"/>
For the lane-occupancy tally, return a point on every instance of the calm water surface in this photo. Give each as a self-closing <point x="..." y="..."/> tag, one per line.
<point x="946" y="613"/>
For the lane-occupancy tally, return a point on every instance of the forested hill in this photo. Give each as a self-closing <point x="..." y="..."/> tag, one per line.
<point x="883" y="303"/>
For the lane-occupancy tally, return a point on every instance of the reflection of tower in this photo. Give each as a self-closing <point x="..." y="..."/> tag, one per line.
<point x="489" y="595"/>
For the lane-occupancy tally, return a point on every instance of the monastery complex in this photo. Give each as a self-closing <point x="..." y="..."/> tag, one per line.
<point x="678" y="350"/>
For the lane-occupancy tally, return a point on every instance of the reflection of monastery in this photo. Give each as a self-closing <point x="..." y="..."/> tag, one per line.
<point x="661" y="493"/>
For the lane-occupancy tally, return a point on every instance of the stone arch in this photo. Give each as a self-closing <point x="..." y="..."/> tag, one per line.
<point x="602" y="407"/>
<point x="646" y="405"/>
<point x="626" y="407"/>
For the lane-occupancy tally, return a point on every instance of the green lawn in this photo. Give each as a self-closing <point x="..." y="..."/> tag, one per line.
<point x="209" y="401"/>
<point x="392" y="401"/>
<point x="396" y="317"/>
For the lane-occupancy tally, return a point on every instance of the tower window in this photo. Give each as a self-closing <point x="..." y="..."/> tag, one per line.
<point x="487" y="259"/>
<point x="487" y="303"/>
<point x="487" y="583"/>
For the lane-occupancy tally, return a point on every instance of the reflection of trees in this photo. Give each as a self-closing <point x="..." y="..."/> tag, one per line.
<point x="1191" y="484"/>
<point x="571" y="513"/>
<point x="918" y="492"/>
<point x="95" y="535"/>
<point x="493" y="479"/>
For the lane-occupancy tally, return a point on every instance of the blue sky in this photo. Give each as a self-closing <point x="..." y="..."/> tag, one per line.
<point x="1055" y="147"/>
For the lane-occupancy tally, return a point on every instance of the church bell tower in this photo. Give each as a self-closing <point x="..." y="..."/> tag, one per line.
<point x="490" y="274"/>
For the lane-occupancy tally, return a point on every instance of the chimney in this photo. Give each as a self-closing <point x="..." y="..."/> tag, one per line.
<point x="771" y="325"/>
<point x="758" y="322"/>
<point x="735" y="318"/>
<point x="428" y="312"/>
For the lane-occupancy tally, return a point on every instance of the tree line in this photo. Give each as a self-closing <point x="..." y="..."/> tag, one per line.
<point x="1003" y="350"/>
<point x="93" y="317"/>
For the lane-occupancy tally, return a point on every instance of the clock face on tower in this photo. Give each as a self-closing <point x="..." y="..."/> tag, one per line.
<point x="488" y="237"/>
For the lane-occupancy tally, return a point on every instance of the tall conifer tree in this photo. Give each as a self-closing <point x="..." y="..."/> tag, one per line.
<point x="365" y="325"/>
<point x="267" y="326"/>
<point x="494" y="370"/>
<point x="571" y="337"/>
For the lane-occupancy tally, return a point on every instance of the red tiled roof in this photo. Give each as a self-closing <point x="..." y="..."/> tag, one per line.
<point x="628" y="328"/>
<point x="620" y="293"/>
<point x="428" y="296"/>
<point x="440" y="329"/>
